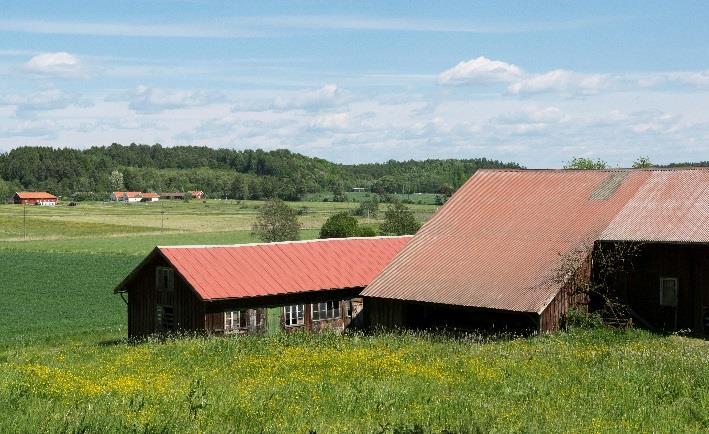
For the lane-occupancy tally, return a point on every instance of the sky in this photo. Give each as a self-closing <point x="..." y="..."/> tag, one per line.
<point x="536" y="83"/>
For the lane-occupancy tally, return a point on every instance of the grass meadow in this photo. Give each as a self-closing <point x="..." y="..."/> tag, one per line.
<point x="66" y="367"/>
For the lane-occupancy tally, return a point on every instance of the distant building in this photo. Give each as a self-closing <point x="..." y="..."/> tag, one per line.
<point x="197" y="194"/>
<point x="35" y="198"/>
<point x="134" y="196"/>
<point x="150" y="197"/>
<point x="358" y="189"/>
<point x="172" y="196"/>
<point x="263" y="288"/>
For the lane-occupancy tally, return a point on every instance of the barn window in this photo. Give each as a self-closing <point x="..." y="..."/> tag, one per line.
<point x="166" y="317"/>
<point x="164" y="279"/>
<point x="235" y="320"/>
<point x="668" y="291"/>
<point x="294" y="314"/>
<point x="326" y="310"/>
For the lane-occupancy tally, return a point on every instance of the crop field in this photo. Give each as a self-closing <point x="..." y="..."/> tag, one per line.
<point x="89" y="219"/>
<point x="65" y="365"/>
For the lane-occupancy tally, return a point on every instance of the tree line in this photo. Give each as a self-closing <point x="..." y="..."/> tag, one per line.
<point x="239" y="174"/>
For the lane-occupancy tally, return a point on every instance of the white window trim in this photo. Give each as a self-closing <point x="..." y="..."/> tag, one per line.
<point x="662" y="291"/>
<point x="232" y="322"/>
<point x="289" y="310"/>
<point x="316" y="306"/>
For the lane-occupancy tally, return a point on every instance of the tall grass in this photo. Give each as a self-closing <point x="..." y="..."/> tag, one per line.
<point x="584" y="381"/>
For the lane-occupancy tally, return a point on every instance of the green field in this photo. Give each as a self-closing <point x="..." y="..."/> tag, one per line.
<point x="65" y="366"/>
<point x="92" y="219"/>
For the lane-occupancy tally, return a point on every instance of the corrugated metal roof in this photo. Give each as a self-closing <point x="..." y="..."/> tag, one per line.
<point x="35" y="195"/>
<point x="252" y="270"/>
<point x="671" y="206"/>
<point x="498" y="241"/>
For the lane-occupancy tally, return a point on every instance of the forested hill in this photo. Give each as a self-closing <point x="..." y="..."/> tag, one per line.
<point x="253" y="174"/>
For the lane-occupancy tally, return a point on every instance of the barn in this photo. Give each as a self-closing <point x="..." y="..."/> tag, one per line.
<point x="265" y="288"/>
<point x="511" y="248"/>
<point x="35" y="198"/>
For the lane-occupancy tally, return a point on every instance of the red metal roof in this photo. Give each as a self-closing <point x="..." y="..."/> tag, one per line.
<point x="35" y="195"/>
<point x="671" y="206"/>
<point x="150" y="195"/>
<point x="497" y="243"/>
<point x="252" y="270"/>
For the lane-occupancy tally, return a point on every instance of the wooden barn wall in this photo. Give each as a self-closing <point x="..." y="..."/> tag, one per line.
<point x="640" y="287"/>
<point x="143" y="299"/>
<point x="383" y="313"/>
<point x="260" y="306"/>
<point x="554" y="315"/>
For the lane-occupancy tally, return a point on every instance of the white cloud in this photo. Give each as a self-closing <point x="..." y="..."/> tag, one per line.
<point x="59" y="64"/>
<point x="561" y="81"/>
<point x="336" y="121"/>
<point x="533" y="115"/>
<point x="31" y="128"/>
<point x="145" y="99"/>
<point x="43" y="100"/>
<point x="325" y="97"/>
<point x="481" y="70"/>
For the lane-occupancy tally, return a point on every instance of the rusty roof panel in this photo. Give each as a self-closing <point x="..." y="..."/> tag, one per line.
<point x="251" y="270"/>
<point x="671" y="206"/>
<point x="497" y="242"/>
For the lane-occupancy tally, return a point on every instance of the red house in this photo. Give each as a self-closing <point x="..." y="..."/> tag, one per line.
<point x="35" y="198"/>
<point x="262" y="288"/>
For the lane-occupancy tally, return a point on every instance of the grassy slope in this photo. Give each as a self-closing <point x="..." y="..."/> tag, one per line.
<point x="584" y="381"/>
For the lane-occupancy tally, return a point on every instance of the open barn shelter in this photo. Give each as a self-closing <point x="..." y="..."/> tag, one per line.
<point x="264" y="288"/>
<point x="496" y="255"/>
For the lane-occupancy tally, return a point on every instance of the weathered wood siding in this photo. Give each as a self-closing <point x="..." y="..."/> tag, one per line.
<point x="259" y="306"/>
<point x="640" y="287"/>
<point x="568" y="297"/>
<point x="144" y="298"/>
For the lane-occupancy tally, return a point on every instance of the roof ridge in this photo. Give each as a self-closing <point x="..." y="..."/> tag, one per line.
<point x="207" y="246"/>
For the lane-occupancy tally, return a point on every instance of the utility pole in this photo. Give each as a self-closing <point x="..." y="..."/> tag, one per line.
<point x="162" y="216"/>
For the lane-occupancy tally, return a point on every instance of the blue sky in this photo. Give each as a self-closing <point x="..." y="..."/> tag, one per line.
<point x="536" y="83"/>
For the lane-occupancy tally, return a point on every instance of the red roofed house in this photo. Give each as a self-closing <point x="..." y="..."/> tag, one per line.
<point x="307" y="285"/>
<point x="495" y="254"/>
<point x="35" y="198"/>
<point x="149" y="197"/>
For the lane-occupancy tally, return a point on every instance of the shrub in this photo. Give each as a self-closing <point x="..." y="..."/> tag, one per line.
<point x="340" y="225"/>
<point x="399" y="220"/>
<point x="276" y="221"/>
<point x="368" y="208"/>
<point x="366" y="231"/>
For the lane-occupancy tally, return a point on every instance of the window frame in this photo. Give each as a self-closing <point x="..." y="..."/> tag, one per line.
<point x="229" y="320"/>
<point x="331" y="311"/>
<point x="164" y="275"/>
<point x="662" y="291"/>
<point x="288" y="312"/>
<point x="165" y="321"/>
